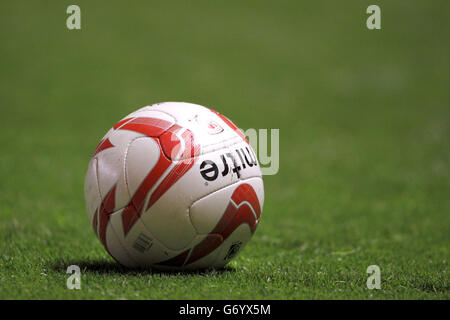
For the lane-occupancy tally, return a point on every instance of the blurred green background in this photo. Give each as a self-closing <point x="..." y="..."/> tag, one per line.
<point x="364" y="120"/>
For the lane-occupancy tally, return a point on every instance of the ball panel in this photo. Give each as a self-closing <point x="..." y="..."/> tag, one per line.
<point x="206" y="212"/>
<point x="169" y="222"/>
<point x="242" y="213"/>
<point x="142" y="156"/>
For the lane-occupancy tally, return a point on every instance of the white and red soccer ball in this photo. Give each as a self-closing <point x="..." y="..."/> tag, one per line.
<point x="174" y="185"/>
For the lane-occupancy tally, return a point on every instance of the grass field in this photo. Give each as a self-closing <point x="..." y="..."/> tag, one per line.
<point x="364" y="119"/>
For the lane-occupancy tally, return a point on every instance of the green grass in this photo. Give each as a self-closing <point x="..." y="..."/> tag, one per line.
<point x="364" y="119"/>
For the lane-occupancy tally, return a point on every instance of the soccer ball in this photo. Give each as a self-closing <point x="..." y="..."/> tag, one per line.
<point x="174" y="185"/>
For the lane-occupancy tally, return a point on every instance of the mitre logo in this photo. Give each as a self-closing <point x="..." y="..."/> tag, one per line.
<point x="230" y="162"/>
